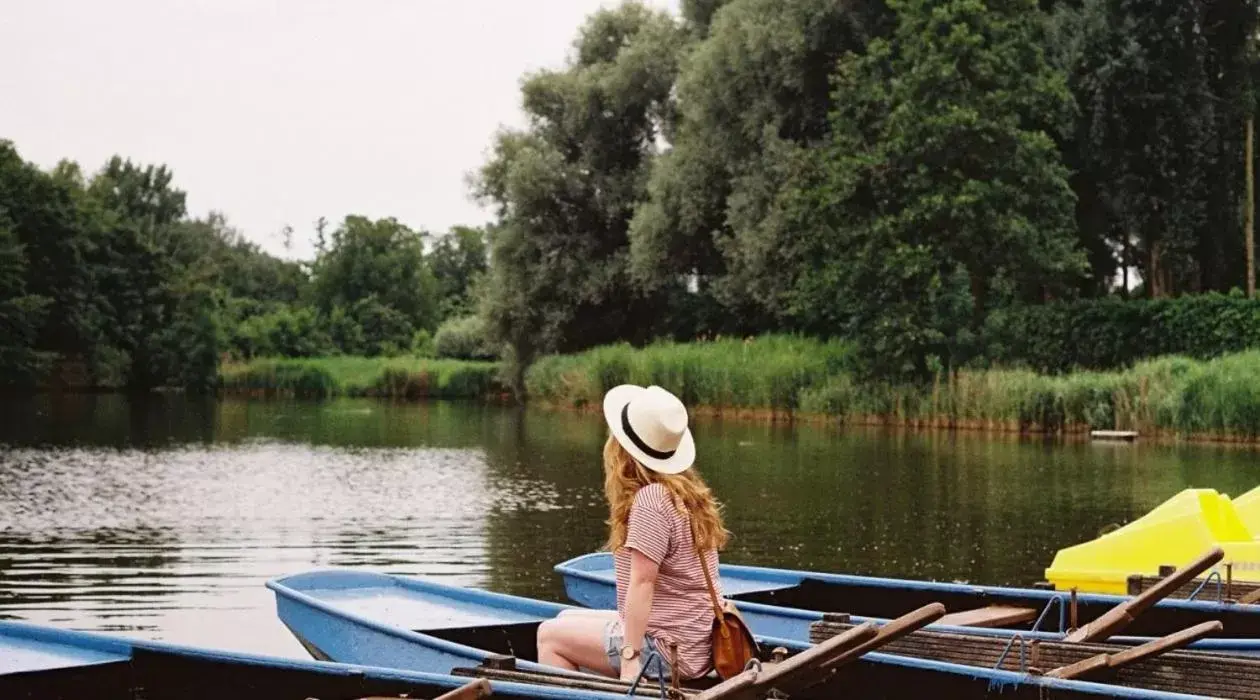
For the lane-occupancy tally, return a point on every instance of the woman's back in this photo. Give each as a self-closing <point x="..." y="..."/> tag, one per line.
<point x="682" y="609"/>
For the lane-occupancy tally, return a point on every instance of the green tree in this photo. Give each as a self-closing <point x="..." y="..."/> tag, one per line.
<point x="565" y="188"/>
<point x="698" y="14"/>
<point x="458" y="260"/>
<point x="21" y="314"/>
<point x="135" y="211"/>
<point x="44" y="213"/>
<point x="943" y="191"/>
<point x="1165" y="89"/>
<point x="238" y="267"/>
<point x="379" y="264"/>
<point x="753" y="100"/>
<point x="385" y="329"/>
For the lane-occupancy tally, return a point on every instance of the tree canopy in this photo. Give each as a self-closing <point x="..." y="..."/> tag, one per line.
<point x="897" y="173"/>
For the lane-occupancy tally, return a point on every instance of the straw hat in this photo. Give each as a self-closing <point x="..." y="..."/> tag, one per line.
<point x="651" y="424"/>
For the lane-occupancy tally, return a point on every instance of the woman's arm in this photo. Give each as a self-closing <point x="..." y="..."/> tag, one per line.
<point x="643" y="573"/>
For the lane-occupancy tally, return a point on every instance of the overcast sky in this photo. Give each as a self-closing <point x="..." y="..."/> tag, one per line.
<point x="281" y="111"/>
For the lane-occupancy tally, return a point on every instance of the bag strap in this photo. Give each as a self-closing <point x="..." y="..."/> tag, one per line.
<point x="708" y="580"/>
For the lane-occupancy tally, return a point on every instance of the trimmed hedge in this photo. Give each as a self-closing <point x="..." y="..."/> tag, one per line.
<point x="1111" y="333"/>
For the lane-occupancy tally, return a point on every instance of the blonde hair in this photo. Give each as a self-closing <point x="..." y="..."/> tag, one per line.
<point x="624" y="476"/>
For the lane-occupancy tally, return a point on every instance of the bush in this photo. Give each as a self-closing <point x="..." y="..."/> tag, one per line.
<point x="386" y="330"/>
<point x="282" y="331"/>
<point x="1112" y="333"/>
<point x="463" y="338"/>
<point x="422" y="344"/>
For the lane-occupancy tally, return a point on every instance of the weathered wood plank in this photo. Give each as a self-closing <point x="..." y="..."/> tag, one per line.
<point x="990" y="616"/>
<point x="1150" y="649"/>
<point x="1192" y="672"/>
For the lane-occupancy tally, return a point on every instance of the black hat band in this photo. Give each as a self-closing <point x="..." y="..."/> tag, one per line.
<point x="638" y="442"/>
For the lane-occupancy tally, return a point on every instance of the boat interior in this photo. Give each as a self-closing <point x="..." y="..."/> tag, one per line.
<point x="977" y="610"/>
<point x="519" y="640"/>
<point x="149" y="675"/>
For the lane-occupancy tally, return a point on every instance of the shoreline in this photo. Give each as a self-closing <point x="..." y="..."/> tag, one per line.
<point x="792" y="380"/>
<point x="995" y="430"/>
<point x="1079" y="434"/>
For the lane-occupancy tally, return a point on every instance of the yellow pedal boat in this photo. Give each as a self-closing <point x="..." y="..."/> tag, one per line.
<point x="1172" y="534"/>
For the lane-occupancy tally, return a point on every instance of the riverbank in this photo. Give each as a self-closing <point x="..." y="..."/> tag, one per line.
<point x="786" y="378"/>
<point x="777" y="378"/>
<point x="409" y="378"/>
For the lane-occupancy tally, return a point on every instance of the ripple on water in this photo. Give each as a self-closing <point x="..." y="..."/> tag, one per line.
<point x="176" y="544"/>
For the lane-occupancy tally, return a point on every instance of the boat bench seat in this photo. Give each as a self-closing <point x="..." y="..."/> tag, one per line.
<point x="990" y="616"/>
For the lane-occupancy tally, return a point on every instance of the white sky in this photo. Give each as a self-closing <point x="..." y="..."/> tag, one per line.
<point x="281" y="111"/>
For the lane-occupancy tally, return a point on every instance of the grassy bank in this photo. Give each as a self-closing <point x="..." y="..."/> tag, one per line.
<point x="771" y="374"/>
<point x="393" y="377"/>
<point x="777" y="376"/>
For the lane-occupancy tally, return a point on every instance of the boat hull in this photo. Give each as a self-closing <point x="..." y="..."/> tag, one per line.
<point x="387" y="606"/>
<point x="45" y="663"/>
<point x="784" y="603"/>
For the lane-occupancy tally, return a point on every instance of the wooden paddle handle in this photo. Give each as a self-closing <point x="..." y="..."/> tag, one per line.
<point x="751" y="683"/>
<point x="1120" y="616"/>
<point x="1154" y="647"/>
<point x="892" y="631"/>
<point x="1175" y="580"/>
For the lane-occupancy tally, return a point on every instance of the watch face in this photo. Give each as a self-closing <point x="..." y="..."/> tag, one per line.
<point x="628" y="653"/>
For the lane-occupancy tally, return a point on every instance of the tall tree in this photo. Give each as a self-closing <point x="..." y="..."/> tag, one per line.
<point x="44" y="214"/>
<point x="1230" y="27"/>
<point x="943" y="191"/>
<point x="137" y="209"/>
<point x="565" y="188"/>
<point x="753" y="99"/>
<point x="458" y="259"/>
<point x="21" y="314"/>
<point x="1150" y="143"/>
<point x="377" y="273"/>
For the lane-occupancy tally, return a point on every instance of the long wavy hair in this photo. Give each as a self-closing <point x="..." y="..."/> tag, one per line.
<point x="624" y="476"/>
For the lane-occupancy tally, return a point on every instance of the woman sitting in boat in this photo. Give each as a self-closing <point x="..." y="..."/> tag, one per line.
<point x="660" y="509"/>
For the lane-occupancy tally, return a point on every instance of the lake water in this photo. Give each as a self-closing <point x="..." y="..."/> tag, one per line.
<point x="162" y="518"/>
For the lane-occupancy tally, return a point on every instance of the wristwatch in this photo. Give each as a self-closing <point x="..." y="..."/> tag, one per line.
<point x="629" y="653"/>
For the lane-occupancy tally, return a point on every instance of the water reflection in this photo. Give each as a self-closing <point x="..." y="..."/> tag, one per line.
<point x="163" y="517"/>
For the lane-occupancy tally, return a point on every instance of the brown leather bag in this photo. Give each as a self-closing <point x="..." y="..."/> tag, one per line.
<point x="733" y="642"/>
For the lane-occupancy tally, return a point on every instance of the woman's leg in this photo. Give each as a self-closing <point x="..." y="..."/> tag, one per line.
<point x="609" y="615"/>
<point x="575" y="641"/>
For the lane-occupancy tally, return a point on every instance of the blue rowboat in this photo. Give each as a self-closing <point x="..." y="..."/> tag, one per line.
<point x="415" y="624"/>
<point x="45" y="663"/>
<point x="784" y="603"/>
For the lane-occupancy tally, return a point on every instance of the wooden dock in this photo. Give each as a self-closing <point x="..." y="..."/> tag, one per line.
<point x="1114" y="435"/>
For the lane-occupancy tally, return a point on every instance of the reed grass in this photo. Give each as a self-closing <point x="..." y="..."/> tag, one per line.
<point x="768" y="373"/>
<point x="789" y="376"/>
<point x="392" y="377"/>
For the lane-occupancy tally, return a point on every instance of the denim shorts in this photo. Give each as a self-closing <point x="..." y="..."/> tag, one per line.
<point x="649" y="657"/>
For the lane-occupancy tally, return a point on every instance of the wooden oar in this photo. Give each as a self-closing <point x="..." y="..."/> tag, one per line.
<point x="1155" y="647"/>
<point x="743" y="684"/>
<point x="1120" y="616"/>
<point x="570" y="681"/>
<point x="1251" y="598"/>
<point x="821" y="661"/>
<point x="472" y="690"/>
<point x="893" y="630"/>
<point x="816" y="657"/>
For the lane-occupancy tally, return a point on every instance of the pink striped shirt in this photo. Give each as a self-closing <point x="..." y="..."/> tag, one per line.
<point x="682" y="611"/>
